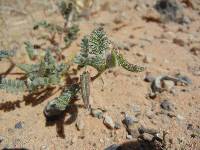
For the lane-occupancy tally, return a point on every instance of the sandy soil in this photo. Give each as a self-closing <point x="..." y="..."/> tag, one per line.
<point x="122" y="90"/>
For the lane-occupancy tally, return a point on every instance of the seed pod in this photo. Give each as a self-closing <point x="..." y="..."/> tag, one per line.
<point x="128" y="66"/>
<point x="85" y="88"/>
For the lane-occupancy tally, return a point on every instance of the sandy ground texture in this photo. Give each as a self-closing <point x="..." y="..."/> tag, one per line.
<point x="163" y="48"/>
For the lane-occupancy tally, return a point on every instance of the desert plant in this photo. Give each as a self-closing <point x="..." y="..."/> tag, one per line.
<point x="95" y="52"/>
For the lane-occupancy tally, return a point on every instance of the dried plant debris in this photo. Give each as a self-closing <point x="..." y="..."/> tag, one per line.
<point x="85" y="88"/>
<point x="59" y="104"/>
<point x="170" y="10"/>
<point x="159" y="84"/>
<point x="6" y="53"/>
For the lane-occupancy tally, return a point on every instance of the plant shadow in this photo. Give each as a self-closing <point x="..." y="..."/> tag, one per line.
<point x="37" y="98"/>
<point x="9" y="106"/>
<point x="71" y="112"/>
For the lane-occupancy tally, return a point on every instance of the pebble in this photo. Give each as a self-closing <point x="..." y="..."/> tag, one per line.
<point x="168" y="85"/>
<point x="148" y="137"/>
<point x="117" y="125"/>
<point x="44" y="147"/>
<point x="150" y="114"/>
<point x="149" y="77"/>
<point x="2" y="138"/>
<point x="167" y="105"/>
<point x="80" y="124"/>
<point x="190" y="126"/>
<point x="129" y="137"/>
<point x="136" y="108"/>
<point x="133" y="131"/>
<point x="19" y="125"/>
<point x="179" y="42"/>
<point x="109" y="122"/>
<point x="180" y="118"/>
<point x="148" y="59"/>
<point x="97" y="113"/>
<point x="128" y="120"/>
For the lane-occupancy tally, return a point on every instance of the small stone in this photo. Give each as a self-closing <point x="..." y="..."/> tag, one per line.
<point x="19" y="125"/>
<point x="133" y="131"/>
<point x="150" y="114"/>
<point x="109" y="122"/>
<point x="97" y="113"/>
<point x="128" y="120"/>
<point x="167" y="105"/>
<point x="168" y="84"/>
<point x="190" y="126"/>
<point x="2" y="138"/>
<point x="101" y="140"/>
<point x="80" y="124"/>
<point x="44" y="147"/>
<point x="195" y="51"/>
<point x="129" y="137"/>
<point x="179" y="42"/>
<point x="117" y="125"/>
<point x="140" y="54"/>
<point x="136" y="108"/>
<point x="148" y="137"/>
<point x="180" y="118"/>
<point x="118" y="20"/>
<point x="148" y="59"/>
<point x="149" y="77"/>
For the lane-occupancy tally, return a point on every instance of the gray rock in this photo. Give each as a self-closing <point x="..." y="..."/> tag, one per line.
<point x="109" y="122"/>
<point x="167" y="105"/>
<point x="2" y="138"/>
<point x="128" y="120"/>
<point x="19" y="125"/>
<point x="129" y="137"/>
<point x="97" y="113"/>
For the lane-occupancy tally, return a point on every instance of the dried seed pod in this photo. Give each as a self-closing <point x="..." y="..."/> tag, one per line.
<point x="85" y="88"/>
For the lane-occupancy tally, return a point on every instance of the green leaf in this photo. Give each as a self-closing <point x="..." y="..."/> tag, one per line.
<point x="32" y="52"/>
<point x="6" y="53"/>
<point x="12" y="86"/>
<point x="98" y="42"/>
<point x="128" y="66"/>
<point x="71" y="35"/>
<point x="59" y="104"/>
